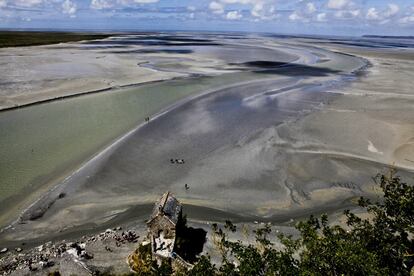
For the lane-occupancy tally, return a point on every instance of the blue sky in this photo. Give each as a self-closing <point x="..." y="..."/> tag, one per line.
<point x="334" y="17"/>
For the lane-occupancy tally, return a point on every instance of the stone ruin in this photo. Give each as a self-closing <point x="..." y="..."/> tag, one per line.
<point x="162" y="229"/>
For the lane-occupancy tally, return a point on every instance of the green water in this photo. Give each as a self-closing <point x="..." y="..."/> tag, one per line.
<point x="42" y="142"/>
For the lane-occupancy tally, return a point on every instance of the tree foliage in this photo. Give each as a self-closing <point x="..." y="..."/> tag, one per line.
<point x="142" y="263"/>
<point x="381" y="244"/>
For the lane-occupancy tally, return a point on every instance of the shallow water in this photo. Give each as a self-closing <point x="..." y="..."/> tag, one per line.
<point x="42" y="142"/>
<point x="58" y="137"/>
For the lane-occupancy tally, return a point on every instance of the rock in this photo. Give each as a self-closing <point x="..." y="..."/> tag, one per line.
<point x="85" y="255"/>
<point x="72" y="252"/>
<point x="4" y="250"/>
<point x="130" y="236"/>
<point x="42" y="264"/>
<point x="18" y="249"/>
<point x="33" y="267"/>
<point x="119" y="228"/>
<point x="48" y="264"/>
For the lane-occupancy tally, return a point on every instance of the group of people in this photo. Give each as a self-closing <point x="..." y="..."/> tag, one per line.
<point x="177" y="161"/>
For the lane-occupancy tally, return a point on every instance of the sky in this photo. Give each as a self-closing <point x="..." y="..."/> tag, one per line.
<point x="326" y="17"/>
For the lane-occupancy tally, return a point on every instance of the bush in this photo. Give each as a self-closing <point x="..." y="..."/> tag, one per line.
<point x="141" y="260"/>
<point x="381" y="245"/>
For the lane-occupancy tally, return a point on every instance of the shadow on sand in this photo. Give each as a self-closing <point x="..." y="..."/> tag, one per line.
<point x="152" y="42"/>
<point x="287" y="69"/>
<point x="153" y="51"/>
<point x="189" y="241"/>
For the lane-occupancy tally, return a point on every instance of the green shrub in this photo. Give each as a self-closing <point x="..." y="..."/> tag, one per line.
<point x="380" y="245"/>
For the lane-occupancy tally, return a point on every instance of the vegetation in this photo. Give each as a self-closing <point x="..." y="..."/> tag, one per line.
<point x="381" y="244"/>
<point x="142" y="263"/>
<point x="15" y="38"/>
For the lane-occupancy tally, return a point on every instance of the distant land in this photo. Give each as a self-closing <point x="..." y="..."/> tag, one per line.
<point x="27" y="38"/>
<point x="389" y="36"/>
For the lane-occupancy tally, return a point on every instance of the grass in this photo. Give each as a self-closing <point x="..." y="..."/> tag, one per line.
<point x="16" y="38"/>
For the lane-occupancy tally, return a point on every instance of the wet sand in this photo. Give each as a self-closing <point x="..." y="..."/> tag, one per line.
<point x="224" y="138"/>
<point x="54" y="130"/>
<point x="41" y="73"/>
<point x="279" y="149"/>
<point x="30" y="167"/>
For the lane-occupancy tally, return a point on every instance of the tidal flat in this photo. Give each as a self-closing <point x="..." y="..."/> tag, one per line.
<point x="271" y="129"/>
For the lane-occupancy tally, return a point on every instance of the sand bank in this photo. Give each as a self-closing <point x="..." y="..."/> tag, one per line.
<point x="226" y="139"/>
<point x="31" y="167"/>
<point x="306" y="141"/>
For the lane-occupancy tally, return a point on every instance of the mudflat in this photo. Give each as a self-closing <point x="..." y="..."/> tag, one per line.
<point x="262" y="137"/>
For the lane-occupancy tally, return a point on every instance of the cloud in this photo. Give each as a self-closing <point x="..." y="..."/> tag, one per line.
<point x="304" y="12"/>
<point x="384" y="16"/>
<point x="129" y="2"/>
<point x="101" y="4"/>
<point x="347" y="14"/>
<point x="216" y="7"/>
<point x="108" y="4"/>
<point x="243" y="2"/>
<point x="392" y="10"/>
<point x="257" y="9"/>
<point x="408" y="18"/>
<point x="310" y="7"/>
<point x="334" y="14"/>
<point x="260" y="9"/>
<point x="27" y="3"/>
<point x="321" y="17"/>
<point x="338" y="4"/>
<point x="295" y="16"/>
<point x="372" y="14"/>
<point x="234" y="15"/>
<point x="69" y="8"/>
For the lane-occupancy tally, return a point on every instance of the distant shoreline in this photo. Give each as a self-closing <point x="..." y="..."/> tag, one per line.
<point x="389" y="36"/>
<point x="37" y="38"/>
